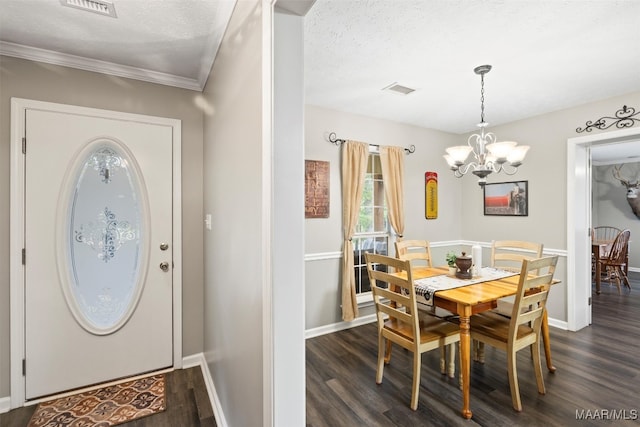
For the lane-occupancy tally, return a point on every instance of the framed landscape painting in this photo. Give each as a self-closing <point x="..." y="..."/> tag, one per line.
<point x="507" y="198"/>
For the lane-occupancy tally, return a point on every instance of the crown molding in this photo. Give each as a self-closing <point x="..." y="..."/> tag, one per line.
<point x="97" y="66"/>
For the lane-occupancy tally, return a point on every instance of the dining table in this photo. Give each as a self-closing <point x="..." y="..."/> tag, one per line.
<point x="468" y="300"/>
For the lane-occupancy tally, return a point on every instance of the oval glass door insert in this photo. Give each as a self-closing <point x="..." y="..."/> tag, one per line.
<point x="105" y="237"/>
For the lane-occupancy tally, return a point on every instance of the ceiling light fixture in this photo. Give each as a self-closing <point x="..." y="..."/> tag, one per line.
<point x="490" y="155"/>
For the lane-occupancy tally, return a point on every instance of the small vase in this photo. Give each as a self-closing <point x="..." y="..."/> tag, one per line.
<point x="464" y="264"/>
<point x="452" y="271"/>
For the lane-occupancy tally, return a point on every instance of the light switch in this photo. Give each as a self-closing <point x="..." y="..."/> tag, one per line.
<point x="207" y="221"/>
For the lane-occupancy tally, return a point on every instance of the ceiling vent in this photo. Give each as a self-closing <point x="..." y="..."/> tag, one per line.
<point x="101" y="7"/>
<point x="395" y="87"/>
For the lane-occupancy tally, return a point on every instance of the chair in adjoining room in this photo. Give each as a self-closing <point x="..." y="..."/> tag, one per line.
<point x="615" y="261"/>
<point x="522" y="329"/>
<point x="604" y="235"/>
<point x="394" y="295"/>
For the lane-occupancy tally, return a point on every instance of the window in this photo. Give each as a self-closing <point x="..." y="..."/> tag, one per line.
<point x="372" y="230"/>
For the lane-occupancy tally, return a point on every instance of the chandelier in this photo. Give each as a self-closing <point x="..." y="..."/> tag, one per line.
<point x="489" y="154"/>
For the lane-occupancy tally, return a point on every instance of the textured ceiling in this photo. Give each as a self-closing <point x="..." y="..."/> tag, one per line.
<point x="166" y="41"/>
<point x="546" y="56"/>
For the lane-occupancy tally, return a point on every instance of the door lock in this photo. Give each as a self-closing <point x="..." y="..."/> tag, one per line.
<point x="164" y="266"/>
<point x="164" y="246"/>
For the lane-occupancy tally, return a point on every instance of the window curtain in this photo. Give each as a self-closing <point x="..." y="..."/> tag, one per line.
<point x="392" y="162"/>
<point x="354" y="167"/>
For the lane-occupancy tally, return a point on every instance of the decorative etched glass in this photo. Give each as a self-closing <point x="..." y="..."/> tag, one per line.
<point x="105" y="237"/>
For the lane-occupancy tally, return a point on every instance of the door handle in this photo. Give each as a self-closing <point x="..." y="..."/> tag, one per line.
<point x="164" y="266"/>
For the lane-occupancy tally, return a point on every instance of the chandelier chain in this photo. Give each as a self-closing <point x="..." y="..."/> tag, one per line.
<point x="482" y="98"/>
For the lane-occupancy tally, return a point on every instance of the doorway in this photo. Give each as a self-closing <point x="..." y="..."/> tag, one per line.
<point x="95" y="295"/>
<point x="579" y="221"/>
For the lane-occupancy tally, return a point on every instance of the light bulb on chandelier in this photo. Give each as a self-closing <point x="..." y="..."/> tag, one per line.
<point x="490" y="155"/>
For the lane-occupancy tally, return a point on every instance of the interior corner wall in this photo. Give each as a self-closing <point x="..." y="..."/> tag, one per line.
<point x="545" y="169"/>
<point x="324" y="237"/>
<point x="235" y="265"/>
<point x="610" y="206"/>
<point x="288" y="222"/>
<point x="45" y="82"/>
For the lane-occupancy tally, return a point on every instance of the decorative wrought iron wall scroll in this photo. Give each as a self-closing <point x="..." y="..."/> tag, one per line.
<point x="624" y="118"/>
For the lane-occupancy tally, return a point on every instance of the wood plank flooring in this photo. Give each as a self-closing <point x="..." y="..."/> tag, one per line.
<point x="188" y="405"/>
<point x="597" y="370"/>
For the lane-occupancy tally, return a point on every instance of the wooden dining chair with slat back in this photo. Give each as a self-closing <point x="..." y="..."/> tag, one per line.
<point x="418" y="253"/>
<point x="398" y="320"/>
<point x="522" y="329"/>
<point x="615" y="261"/>
<point x="508" y="255"/>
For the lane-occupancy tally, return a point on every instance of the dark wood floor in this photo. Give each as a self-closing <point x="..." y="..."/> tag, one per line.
<point x="188" y="405"/>
<point x="597" y="369"/>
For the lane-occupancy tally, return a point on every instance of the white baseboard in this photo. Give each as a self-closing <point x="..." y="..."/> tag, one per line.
<point x="199" y="360"/>
<point x="335" y="327"/>
<point x="5" y="404"/>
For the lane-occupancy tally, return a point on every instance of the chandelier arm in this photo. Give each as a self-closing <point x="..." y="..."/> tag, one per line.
<point x="511" y="171"/>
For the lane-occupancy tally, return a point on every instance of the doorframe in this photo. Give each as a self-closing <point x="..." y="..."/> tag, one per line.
<point x="579" y="221"/>
<point x="16" y="232"/>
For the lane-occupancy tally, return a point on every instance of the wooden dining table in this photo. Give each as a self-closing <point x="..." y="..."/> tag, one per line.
<point x="468" y="300"/>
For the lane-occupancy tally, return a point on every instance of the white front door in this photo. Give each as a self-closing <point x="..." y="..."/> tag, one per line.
<point x="98" y="250"/>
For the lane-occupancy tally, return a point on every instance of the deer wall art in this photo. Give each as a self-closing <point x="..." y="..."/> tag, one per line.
<point x="633" y="189"/>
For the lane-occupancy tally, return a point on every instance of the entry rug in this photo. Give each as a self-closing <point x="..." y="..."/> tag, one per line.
<point x="430" y="285"/>
<point x="108" y="406"/>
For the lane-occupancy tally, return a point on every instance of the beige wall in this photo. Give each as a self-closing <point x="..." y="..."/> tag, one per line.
<point x="43" y="82"/>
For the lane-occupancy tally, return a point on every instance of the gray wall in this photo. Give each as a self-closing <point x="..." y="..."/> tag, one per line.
<point x="610" y="206"/>
<point x="545" y="169"/>
<point x="44" y="82"/>
<point x="460" y="200"/>
<point x="236" y="265"/>
<point x="323" y="237"/>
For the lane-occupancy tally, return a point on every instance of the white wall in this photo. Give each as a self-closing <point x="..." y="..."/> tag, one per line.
<point x="235" y="262"/>
<point x="288" y="223"/>
<point x="610" y="206"/>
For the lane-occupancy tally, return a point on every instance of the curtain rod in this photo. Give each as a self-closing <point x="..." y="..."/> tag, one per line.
<point x="337" y="141"/>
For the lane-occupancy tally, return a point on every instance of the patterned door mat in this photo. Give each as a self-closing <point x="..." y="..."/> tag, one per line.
<point x="104" y="407"/>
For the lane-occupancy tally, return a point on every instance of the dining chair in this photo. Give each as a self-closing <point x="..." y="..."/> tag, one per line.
<point x="615" y="261"/>
<point x="414" y="250"/>
<point x="394" y="296"/>
<point x="508" y="255"/>
<point x="604" y="234"/>
<point x="522" y="329"/>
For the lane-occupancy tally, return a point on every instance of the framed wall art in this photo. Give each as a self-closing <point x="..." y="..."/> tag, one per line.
<point x="507" y="198"/>
<point x="316" y="189"/>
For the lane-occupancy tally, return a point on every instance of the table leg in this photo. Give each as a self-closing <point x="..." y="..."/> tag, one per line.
<point x="465" y="363"/>
<point x="598" y="273"/>
<point x="547" y="343"/>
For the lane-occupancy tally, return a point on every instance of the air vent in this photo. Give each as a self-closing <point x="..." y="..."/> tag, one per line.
<point x="395" y="87"/>
<point x="101" y="7"/>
